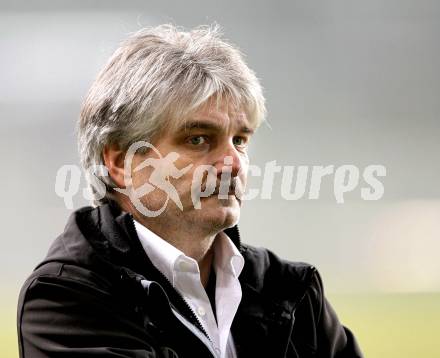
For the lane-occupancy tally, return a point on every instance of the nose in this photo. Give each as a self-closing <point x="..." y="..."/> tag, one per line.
<point x="229" y="159"/>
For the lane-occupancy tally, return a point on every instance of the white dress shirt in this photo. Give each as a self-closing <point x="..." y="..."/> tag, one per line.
<point x="183" y="273"/>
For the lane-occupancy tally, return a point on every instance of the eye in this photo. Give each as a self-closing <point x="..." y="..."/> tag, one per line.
<point x="197" y="140"/>
<point x="239" y="141"/>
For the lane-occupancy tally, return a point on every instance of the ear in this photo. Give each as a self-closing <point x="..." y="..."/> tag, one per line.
<point x="114" y="161"/>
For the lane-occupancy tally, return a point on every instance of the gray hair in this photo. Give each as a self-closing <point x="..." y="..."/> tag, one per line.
<point x="154" y="80"/>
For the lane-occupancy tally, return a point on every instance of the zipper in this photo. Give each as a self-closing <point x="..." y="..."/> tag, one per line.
<point x="193" y="317"/>
<point x="206" y="341"/>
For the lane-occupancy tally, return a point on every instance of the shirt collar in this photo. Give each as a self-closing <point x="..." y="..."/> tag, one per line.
<point x="227" y="256"/>
<point x="162" y="254"/>
<point x="165" y="257"/>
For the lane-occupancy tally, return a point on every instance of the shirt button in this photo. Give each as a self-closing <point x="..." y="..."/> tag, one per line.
<point x="184" y="266"/>
<point x="201" y="311"/>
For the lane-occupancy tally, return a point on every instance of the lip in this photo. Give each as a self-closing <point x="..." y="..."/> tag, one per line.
<point x="230" y="192"/>
<point x="233" y="190"/>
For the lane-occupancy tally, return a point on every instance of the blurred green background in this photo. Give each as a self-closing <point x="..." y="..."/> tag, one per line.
<point x="392" y="325"/>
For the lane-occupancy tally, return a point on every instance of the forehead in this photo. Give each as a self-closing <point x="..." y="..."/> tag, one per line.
<point x="220" y="116"/>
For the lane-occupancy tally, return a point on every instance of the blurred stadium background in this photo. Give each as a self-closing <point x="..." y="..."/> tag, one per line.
<point x="347" y="82"/>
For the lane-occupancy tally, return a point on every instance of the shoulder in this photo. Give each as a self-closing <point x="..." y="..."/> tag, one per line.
<point x="267" y="261"/>
<point x="57" y="297"/>
<point x="60" y="283"/>
<point x="298" y="288"/>
<point x="57" y="283"/>
<point x="266" y="272"/>
<point x="66" y="273"/>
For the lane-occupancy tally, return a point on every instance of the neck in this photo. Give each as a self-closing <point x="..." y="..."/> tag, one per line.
<point x="192" y="242"/>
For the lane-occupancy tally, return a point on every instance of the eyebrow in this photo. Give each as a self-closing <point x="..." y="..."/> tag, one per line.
<point x="209" y="126"/>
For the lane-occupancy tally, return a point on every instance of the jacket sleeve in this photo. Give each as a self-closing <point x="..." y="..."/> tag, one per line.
<point x="63" y="317"/>
<point x="332" y="338"/>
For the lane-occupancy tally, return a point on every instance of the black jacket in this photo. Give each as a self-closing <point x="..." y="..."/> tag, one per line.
<point x="98" y="295"/>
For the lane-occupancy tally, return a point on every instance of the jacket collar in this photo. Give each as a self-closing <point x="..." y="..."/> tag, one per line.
<point x="118" y="230"/>
<point x="105" y="237"/>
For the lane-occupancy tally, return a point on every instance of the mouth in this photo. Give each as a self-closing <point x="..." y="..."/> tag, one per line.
<point x="230" y="195"/>
<point x="226" y="191"/>
<point x="217" y="192"/>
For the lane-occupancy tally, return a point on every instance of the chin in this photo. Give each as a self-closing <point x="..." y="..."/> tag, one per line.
<point x="223" y="215"/>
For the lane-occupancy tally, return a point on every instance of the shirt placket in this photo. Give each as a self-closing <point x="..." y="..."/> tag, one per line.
<point x="188" y="282"/>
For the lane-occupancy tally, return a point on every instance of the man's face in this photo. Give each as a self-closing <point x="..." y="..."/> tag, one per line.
<point x="211" y="137"/>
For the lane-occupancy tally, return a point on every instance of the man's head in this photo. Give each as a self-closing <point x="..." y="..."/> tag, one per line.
<point x="185" y="92"/>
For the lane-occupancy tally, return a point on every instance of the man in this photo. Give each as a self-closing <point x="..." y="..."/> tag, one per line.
<point x="157" y="268"/>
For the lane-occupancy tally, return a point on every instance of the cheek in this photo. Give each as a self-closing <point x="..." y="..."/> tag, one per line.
<point x="244" y="168"/>
<point x="140" y="177"/>
<point x="243" y="177"/>
<point x="184" y="181"/>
